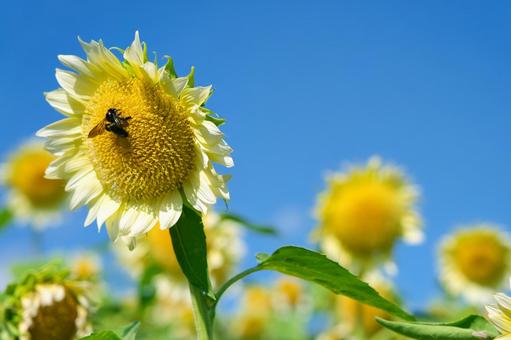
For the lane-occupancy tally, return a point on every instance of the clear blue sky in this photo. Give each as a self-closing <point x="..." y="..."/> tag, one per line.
<point x="305" y="86"/>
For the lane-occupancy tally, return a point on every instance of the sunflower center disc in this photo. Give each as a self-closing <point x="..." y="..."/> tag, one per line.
<point x="55" y="321"/>
<point x="159" y="152"/>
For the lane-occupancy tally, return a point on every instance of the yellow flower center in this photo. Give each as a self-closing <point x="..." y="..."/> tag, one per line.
<point x="481" y="258"/>
<point x="56" y="321"/>
<point x="364" y="216"/>
<point x="162" y="252"/>
<point x="159" y="152"/>
<point x="27" y="176"/>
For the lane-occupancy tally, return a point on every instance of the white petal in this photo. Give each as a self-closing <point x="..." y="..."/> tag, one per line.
<point x="78" y="64"/>
<point x="107" y="208"/>
<point x="103" y="59"/>
<point x="78" y="177"/>
<point x="63" y="102"/>
<point x="77" y="163"/>
<point x="135" y="53"/>
<point x="64" y="127"/>
<point x="75" y="85"/>
<point x="86" y="193"/>
<point x="196" y="95"/>
<point x="170" y="210"/>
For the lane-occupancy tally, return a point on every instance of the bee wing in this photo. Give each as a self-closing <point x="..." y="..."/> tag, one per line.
<point x="98" y="129"/>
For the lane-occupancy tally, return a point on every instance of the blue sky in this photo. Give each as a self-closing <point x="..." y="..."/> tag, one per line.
<point x="305" y="87"/>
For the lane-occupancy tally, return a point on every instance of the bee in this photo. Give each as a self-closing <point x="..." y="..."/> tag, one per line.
<point x="113" y="122"/>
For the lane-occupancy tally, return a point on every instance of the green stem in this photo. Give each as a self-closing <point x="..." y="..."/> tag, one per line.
<point x="202" y="314"/>
<point x="234" y="279"/>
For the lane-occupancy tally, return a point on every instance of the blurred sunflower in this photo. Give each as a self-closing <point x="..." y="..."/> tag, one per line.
<point x="85" y="267"/>
<point x="500" y="315"/>
<point x="223" y="240"/>
<point x="475" y="261"/>
<point x="46" y="306"/>
<point x="135" y="142"/>
<point x="363" y="212"/>
<point x="32" y="198"/>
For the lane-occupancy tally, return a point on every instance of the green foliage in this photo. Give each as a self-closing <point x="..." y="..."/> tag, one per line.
<point x="472" y="327"/>
<point x="5" y="217"/>
<point x="189" y="243"/>
<point x="259" y="228"/>
<point x="127" y="333"/>
<point x="315" y="267"/>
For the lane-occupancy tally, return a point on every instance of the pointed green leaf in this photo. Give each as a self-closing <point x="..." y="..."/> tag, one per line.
<point x="189" y="243"/>
<point x="191" y="77"/>
<point x="262" y="229"/>
<point x="312" y="266"/>
<point x="473" y="327"/>
<point x="169" y="67"/>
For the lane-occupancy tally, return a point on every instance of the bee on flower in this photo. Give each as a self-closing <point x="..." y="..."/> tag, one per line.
<point x="32" y="198"/>
<point x="364" y="212"/>
<point x="47" y="305"/>
<point x="136" y="143"/>
<point x="475" y="261"/>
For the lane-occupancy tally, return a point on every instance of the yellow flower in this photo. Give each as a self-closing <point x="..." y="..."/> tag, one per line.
<point x="32" y="198"/>
<point x="256" y="307"/>
<point x="135" y="142"/>
<point x="475" y="261"/>
<point x="364" y="211"/>
<point x="500" y="315"/>
<point x="223" y="240"/>
<point x="85" y="267"/>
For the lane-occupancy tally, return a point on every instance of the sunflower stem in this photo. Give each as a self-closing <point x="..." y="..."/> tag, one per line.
<point x="202" y="314"/>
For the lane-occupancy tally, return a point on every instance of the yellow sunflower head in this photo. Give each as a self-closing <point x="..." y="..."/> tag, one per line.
<point x="136" y="140"/>
<point x="46" y="306"/>
<point x="475" y="261"/>
<point x="500" y="314"/>
<point x="364" y="211"/>
<point x="33" y="198"/>
<point x="224" y="245"/>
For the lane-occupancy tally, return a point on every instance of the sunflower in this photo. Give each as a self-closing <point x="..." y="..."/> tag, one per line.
<point x="224" y="245"/>
<point x="32" y="198"/>
<point x="137" y="142"/>
<point x="500" y="315"/>
<point x="48" y="305"/>
<point x="363" y="212"/>
<point x="475" y="261"/>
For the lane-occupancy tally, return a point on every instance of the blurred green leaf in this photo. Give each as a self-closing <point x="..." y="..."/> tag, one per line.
<point x="189" y="243"/>
<point x="473" y="327"/>
<point x="262" y="229"/>
<point x="5" y="217"/>
<point x="128" y="333"/>
<point x="102" y="335"/>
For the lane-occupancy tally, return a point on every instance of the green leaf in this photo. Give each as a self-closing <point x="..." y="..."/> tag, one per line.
<point x="5" y="217"/>
<point x="191" y="77"/>
<point x="189" y="243"/>
<point x="473" y="327"/>
<point x="249" y="225"/>
<point x="102" y="335"/>
<point x="312" y="266"/>
<point x="130" y="331"/>
<point x="215" y="120"/>
<point x="169" y="67"/>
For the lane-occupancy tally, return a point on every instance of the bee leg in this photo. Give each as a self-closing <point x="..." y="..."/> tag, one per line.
<point x="108" y="127"/>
